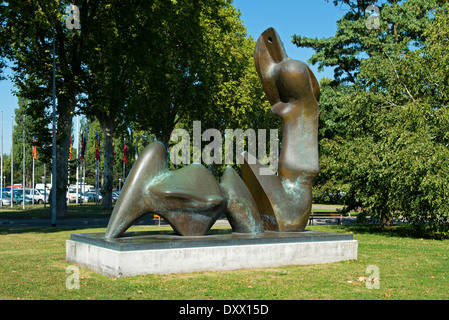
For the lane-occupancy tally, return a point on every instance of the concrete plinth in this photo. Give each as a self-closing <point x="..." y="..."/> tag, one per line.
<point x="139" y="253"/>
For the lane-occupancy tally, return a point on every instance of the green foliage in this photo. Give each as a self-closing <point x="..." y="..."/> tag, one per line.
<point x="199" y="68"/>
<point x="399" y="23"/>
<point x="133" y="65"/>
<point x="202" y="70"/>
<point x="28" y="31"/>
<point x="384" y="139"/>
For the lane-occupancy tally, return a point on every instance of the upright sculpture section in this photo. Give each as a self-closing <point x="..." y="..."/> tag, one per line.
<point x="191" y="200"/>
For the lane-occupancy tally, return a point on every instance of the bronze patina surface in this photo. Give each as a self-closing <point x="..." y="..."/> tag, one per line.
<point x="285" y="201"/>
<point x="190" y="199"/>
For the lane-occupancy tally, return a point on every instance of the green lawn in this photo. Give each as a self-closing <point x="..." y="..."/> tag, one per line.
<point x="32" y="266"/>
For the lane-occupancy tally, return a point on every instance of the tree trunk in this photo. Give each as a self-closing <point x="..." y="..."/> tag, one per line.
<point x="386" y="219"/>
<point x="64" y="127"/>
<point x="107" y="125"/>
<point x="164" y="137"/>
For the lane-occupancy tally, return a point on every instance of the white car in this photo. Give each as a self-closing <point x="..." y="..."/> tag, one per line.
<point x="45" y="194"/>
<point x="71" y="195"/>
<point x="82" y="198"/>
<point x="6" y="200"/>
<point x="38" y="196"/>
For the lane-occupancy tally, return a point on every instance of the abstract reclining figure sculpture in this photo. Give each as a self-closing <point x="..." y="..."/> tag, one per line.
<point x="190" y="199"/>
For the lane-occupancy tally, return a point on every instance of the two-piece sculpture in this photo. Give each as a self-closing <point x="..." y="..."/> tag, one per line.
<point x="191" y="200"/>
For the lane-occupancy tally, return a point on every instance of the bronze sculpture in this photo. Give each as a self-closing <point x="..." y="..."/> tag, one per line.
<point x="190" y="199"/>
<point x="293" y="91"/>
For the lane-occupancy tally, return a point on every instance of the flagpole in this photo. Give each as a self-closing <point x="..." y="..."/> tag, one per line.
<point x="68" y="184"/>
<point x="84" y="176"/>
<point x="23" y="165"/>
<point x="96" y="188"/>
<point x="32" y="186"/>
<point x="96" y="165"/>
<point x="96" y="180"/>
<point x="77" y="148"/>
<point x="33" y="156"/>
<point x="81" y="159"/>
<point x="1" y="189"/>
<point x="45" y="186"/>
<point x="84" y="161"/>
<point x="1" y="183"/>
<point x="53" y="164"/>
<point x="12" y="167"/>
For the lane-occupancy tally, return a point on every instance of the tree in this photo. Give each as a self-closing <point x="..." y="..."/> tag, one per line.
<point x="159" y="80"/>
<point x="331" y="181"/>
<point x="386" y="137"/>
<point x="28" y="28"/>
<point x="353" y="41"/>
<point x="203" y="70"/>
<point x="111" y="55"/>
<point x="145" y="65"/>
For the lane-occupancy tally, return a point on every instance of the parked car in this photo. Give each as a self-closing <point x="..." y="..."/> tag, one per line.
<point x="95" y="196"/>
<point x="87" y="197"/>
<point x="115" y="195"/>
<point x="18" y="197"/>
<point x="71" y="195"/>
<point x="46" y="195"/>
<point x="38" y="196"/>
<point x="6" y="199"/>
<point x="82" y="197"/>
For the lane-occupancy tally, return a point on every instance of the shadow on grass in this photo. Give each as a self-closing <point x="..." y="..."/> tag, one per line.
<point x="91" y="211"/>
<point x="48" y="230"/>
<point x="88" y="210"/>
<point x="401" y="230"/>
<point x="41" y="213"/>
<point x="18" y="229"/>
<point x="70" y="223"/>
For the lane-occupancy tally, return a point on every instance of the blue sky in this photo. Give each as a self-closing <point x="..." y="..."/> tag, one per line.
<point x="313" y="18"/>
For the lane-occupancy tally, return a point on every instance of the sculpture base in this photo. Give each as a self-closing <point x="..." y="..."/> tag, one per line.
<point x="139" y="253"/>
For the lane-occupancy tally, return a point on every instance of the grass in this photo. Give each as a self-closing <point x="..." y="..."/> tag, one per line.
<point x="33" y="266"/>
